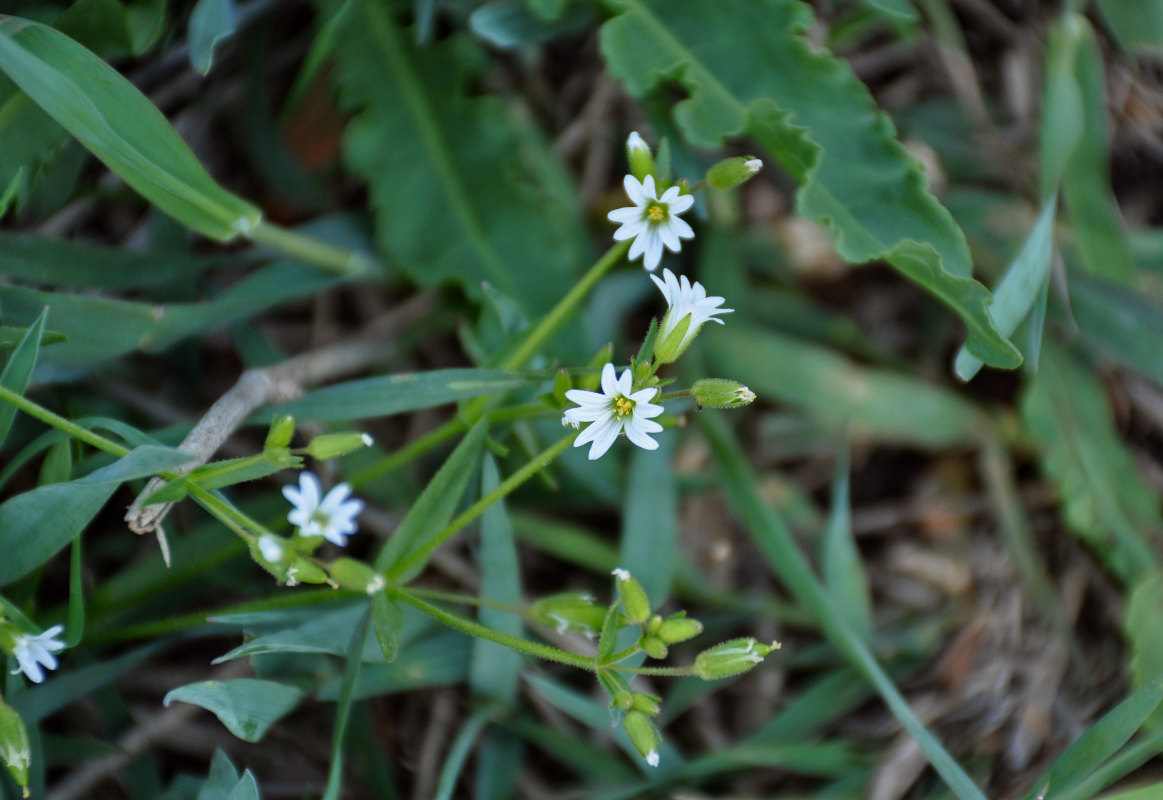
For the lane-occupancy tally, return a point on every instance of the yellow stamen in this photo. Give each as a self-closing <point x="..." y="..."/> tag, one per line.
<point x="656" y="212"/>
<point x="623" y="406"/>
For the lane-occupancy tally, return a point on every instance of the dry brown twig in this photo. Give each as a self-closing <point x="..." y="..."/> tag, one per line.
<point x="275" y="384"/>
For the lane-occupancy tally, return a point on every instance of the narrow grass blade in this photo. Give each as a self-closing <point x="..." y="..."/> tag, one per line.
<point x="843" y="572"/>
<point x="351" y="670"/>
<point x="650" y="522"/>
<point x="211" y="21"/>
<point x="18" y="370"/>
<point x="775" y="540"/>
<point x="458" y="754"/>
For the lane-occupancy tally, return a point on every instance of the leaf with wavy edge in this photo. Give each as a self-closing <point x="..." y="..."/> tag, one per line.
<point x="812" y="114"/>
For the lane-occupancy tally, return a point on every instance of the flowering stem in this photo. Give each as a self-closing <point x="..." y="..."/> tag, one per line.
<point x="484" y="632"/>
<point x="664" y="672"/>
<point x="467" y="600"/>
<point x="320" y="254"/>
<point x="535" y="465"/>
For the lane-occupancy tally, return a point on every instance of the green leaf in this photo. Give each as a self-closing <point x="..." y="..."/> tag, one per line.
<point x="10" y="337"/>
<point x="438" y="660"/>
<point x="1141" y="624"/>
<point x="351" y="669"/>
<point x="496" y="669"/>
<point x="1123" y="324"/>
<point x="18" y="370"/>
<point x="458" y="753"/>
<point x="222" y="779"/>
<point x="877" y="403"/>
<point x="463" y="192"/>
<point x="32" y="141"/>
<point x="112" y="28"/>
<point x="247" y="707"/>
<point x="211" y="21"/>
<point x="513" y="23"/>
<point x="387" y="621"/>
<point x="901" y="10"/>
<point x="99" y="328"/>
<point x="840" y="563"/>
<point x="1019" y="291"/>
<point x="1101" y="741"/>
<point x="1106" y="501"/>
<point x="15" y="750"/>
<point x="385" y="395"/>
<point x="115" y="121"/>
<point x="810" y="112"/>
<point x="34" y="526"/>
<point x="1137" y="25"/>
<point x="650" y="521"/>
<point x="433" y="509"/>
<point x="325" y="633"/>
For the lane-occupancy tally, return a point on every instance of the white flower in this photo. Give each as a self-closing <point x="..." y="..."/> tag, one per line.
<point x="652" y="221"/>
<point x="34" y="652"/>
<point x="332" y="517"/>
<point x="616" y="409"/>
<point x="686" y="299"/>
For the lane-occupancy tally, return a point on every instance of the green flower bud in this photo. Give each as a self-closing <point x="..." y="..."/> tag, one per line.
<point x="561" y="385"/>
<point x="303" y="571"/>
<point x="571" y="612"/>
<point x="677" y="628"/>
<point x="635" y="604"/>
<point x="623" y="700"/>
<point x="15" y="751"/>
<point x="282" y="429"/>
<point x="646" y="703"/>
<point x="721" y="393"/>
<point x="334" y="445"/>
<point x="731" y="658"/>
<point x="639" y="155"/>
<point x="356" y="576"/>
<point x="654" y="647"/>
<point x="644" y="735"/>
<point x="733" y="171"/>
<point x="670" y="348"/>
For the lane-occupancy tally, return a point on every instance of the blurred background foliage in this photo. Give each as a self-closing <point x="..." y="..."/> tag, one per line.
<point x="948" y="299"/>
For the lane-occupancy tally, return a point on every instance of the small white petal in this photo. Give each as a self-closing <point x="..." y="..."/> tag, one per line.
<point x="606" y="435"/>
<point x="681" y="204"/>
<point x="611" y="385"/>
<point x="620" y="573"/>
<point x="652" y="758"/>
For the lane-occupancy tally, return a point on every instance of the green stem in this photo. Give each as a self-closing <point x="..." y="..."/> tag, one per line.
<point x="663" y="672"/>
<point x="312" y="251"/>
<point x="467" y="600"/>
<point x="535" y="465"/>
<point x="484" y="632"/>
<point x="71" y="428"/>
<point x="551" y="323"/>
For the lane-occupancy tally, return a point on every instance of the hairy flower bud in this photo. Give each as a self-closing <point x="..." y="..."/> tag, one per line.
<point x="282" y="429"/>
<point x="571" y="612"/>
<point x="639" y="155"/>
<point x="653" y="646"/>
<point x="733" y="171"/>
<point x="677" y="628"/>
<point x="721" y="393"/>
<point x="635" y="604"/>
<point x="646" y="703"/>
<point x="644" y="735"/>
<point x="356" y="576"/>
<point x="731" y="658"/>
<point x="334" y="445"/>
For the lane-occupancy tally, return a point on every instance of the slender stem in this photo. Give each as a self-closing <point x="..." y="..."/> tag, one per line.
<point x="419" y="447"/>
<point x="71" y="428"/>
<point x="551" y="323"/>
<point x="314" y="252"/>
<point x="484" y="632"/>
<point x="535" y="465"/>
<point x="467" y="600"/>
<point x="623" y="654"/>
<point x="664" y="672"/>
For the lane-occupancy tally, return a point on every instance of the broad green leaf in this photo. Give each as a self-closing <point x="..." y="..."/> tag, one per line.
<point x="385" y="395"/>
<point x="1124" y="325"/>
<point x="328" y="633"/>
<point x="877" y="403"/>
<point x="774" y="539"/>
<point x="1141" y="625"/>
<point x="100" y="328"/>
<point x="113" y="28"/>
<point x="34" y="526"/>
<point x="1101" y="741"/>
<point x="1106" y="501"/>
<point x="83" y="265"/>
<point x="650" y="521"/>
<point x="115" y="121"/>
<point x="18" y="370"/>
<point x="1076" y="148"/>
<point x="1020" y="290"/>
<point x="211" y="21"/>
<point x="1137" y="25"/>
<point x="463" y="192"/>
<point x="808" y="110"/>
<point x="840" y="563"/>
<point x="433" y="509"/>
<point x="496" y="669"/>
<point x="247" y="707"/>
<point x="441" y="659"/>
<point x="222" y="779"/>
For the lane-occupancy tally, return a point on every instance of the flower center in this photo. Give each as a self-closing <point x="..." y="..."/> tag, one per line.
<point x="656" y="212"/>
<point x="321" y="518"/>
<point x="623" y="406"/>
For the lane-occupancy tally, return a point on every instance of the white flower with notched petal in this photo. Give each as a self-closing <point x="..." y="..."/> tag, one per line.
<point x="331" y="516"/>
<point x="652" y="222"/>
<point x="686" y="300"/>
<point x="34" y="654"/>
<point x="616" y="409"/>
